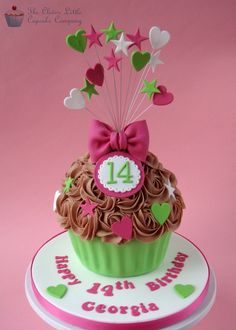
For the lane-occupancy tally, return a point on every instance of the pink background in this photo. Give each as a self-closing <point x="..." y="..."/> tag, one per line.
<point x="194" y="136"/>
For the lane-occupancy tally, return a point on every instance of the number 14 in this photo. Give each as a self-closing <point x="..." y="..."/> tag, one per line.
<point x="123" y="172"/>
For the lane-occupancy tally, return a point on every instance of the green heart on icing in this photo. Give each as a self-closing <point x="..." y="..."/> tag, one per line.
<point x="57" y="291"/>
<point x="139" y="60"/>
<point x="77" y="41"/>
<point x="161" y="212"/>
<point x="184" y="291"/>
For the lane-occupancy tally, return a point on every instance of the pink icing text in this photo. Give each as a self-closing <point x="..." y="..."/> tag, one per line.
<point x="108" y="290"/>
<point x="171" y="273"/>
<point x="64" y="271"/>
<point x="136" y="310"/>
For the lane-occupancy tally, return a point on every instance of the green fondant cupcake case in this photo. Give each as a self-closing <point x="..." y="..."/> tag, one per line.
<point x="130" y="259"/>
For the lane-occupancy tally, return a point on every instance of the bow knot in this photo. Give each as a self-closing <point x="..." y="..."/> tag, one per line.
<point x="103" y="139"/>
<point x="118" y="140"/>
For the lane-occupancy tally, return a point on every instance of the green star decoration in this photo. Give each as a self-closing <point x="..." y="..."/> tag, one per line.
<point x="111" y="32"/>
<point x="89" y="89"/>
<point x="67" y="184"/>
<point x="150" y="88"/>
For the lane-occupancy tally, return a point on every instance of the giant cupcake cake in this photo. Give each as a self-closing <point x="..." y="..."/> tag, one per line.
<point x="111" y="212"/>
<point x="118" y="255"/>
<point x="148" y="218"/>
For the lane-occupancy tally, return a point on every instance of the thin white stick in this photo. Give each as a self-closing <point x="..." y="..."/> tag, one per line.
<point x="136" y="110"/>
<point x="126" y="98"/>
<point x="120" y="109"/>
<point x="86" y="60"/>
<point x="92" y="113"/>
<point x="114" y="80"/>
<point x="86" y="108"/>
<point x="132" y="118"/>
<point x="142" y="112"/>
<point x="110" y="108"/>
<point x="96" y="51"/>
<point x="112" y="112"/>
<point x="136" y="94"/>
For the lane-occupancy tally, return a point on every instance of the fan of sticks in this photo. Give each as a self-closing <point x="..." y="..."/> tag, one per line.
<point x="121" y="74"/>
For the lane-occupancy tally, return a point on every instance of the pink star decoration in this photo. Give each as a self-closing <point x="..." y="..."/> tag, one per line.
<point x="136" y="39"/>
<point x="94" y="37"/>
<point x="88" y="207"/>
<point x="113" y="61"/>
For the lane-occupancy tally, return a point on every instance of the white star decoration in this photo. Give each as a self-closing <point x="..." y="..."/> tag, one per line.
<point x="154" y="60"/>
<point x="122" y="45"/>
<point x="57" y="194"/>
<point x="170" y="189"/>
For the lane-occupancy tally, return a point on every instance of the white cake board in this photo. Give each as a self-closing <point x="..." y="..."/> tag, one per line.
<point x="189" y="322"/>
<point x="56" y="323"/>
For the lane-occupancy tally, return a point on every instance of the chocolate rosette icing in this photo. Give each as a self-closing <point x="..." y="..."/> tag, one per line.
<point x="111" y="209"/>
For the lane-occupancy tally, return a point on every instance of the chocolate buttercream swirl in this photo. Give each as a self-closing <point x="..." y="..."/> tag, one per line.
<point x="111" y="209"/>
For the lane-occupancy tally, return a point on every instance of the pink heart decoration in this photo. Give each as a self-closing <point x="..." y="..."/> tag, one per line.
<point x="123" y="228"/>
<point x="96" y="75"/>
<point x="162" y="98"/>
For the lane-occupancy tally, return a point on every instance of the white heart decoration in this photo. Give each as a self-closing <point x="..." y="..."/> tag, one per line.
<point x="158" y="38"/>
<point x="57" y="194"/>
<point x="75" y="101"/>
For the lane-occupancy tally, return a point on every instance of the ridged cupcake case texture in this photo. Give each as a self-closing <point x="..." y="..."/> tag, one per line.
<point x="14" y="21"/>
<point x="130" y="259"/>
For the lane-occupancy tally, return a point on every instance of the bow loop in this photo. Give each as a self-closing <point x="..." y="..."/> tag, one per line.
<point x="103" y="139"/>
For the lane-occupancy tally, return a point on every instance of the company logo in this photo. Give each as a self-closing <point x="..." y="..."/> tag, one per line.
<point x="14" y="17"/>
<point x="43" y="15"/>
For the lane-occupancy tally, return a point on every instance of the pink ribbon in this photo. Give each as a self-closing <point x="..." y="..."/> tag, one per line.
<point x="103" y="139"/>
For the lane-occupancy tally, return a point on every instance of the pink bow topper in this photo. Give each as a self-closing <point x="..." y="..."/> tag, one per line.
<point x="103" y="139"/>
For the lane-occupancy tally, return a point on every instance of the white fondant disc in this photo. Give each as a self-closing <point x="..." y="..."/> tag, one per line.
<point x="121" y="302"/>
